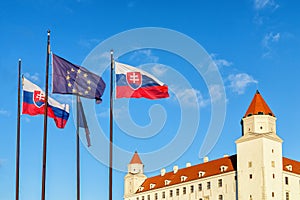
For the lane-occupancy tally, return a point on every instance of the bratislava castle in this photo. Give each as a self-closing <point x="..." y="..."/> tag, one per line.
<point x="256" y="172"/>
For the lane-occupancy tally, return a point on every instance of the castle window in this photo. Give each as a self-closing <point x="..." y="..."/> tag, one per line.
<point x="148" y="197"/>
<point x="167" y="182"/>
<point x="156" y="196"/>
<point x="220" y="183"/>
<point x="183" y="178"/>
<point x="250" y="176"/>
<point x="273" y="176"/>
<point x="171" y="193"/>
<point x="177" y="192"/>
<point x="287" y="196"/>
<point x="137" y="198"/>
<point x="143" y="198"/>
<point x="184" y="190"/>
<point x="208" y="185"/>
<point x="152" y="186"/>
<point x="192" y="189"/>
<point x="141" y="189"/>
<point x="220" y="197"/>
<point x="201" y="174"/>
<point x="289" y="167"/>
<point x="249" y="164"/>
<point x="273" y="163"/>
<point x="223" y="168"/>
<point x="260" y="113"/>
<point x="286" y="180"/>
<point x="163" y="195"/>
<point x="261" y="127"/>
<point x="273" y="194"/>
<point x="272" y="150"/>
<point x="200" y="186"/>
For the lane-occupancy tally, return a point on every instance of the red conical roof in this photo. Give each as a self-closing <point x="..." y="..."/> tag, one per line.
<point x="136" y="159"/>
<point x="258" y="106"/>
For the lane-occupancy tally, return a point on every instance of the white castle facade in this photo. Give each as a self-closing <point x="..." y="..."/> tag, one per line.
<point x="256" y="172"/>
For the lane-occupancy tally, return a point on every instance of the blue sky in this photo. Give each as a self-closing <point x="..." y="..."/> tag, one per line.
<point x="254" y="44"/>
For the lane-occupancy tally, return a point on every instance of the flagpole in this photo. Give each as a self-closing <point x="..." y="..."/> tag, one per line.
<point x="77" y="149"/>
<point x="45" y="119"/>
<point x="18" y="132"/>
<point x="111" y="125"/>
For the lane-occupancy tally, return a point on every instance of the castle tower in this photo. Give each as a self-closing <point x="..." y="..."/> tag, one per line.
<point x="259" y="154"/>
<point x="135" y="176"/>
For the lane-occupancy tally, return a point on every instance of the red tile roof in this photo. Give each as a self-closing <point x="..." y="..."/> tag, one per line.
<point x="295" y="165"/>
<point x="258" y="106"/>
<point x="136" y="159"/>
<point x="192" y="173"/>
<point x="210" y="168"/>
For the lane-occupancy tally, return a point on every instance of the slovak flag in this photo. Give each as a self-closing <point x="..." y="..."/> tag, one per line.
<point x="132" y="82"/>
<point x="34" y="102"/>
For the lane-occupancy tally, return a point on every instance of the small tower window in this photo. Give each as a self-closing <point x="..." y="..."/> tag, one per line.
<point x="250" y="176"/>
<point x="201" y="174"/>
<point x="273" y="163"/>
<point x="152" y="186"/>
<point x="289" y="167"/>
<point x="183" y="178"/>
<point x="273" y="194"/>
<point x="249" y="164"/>
<point x="223" y="168"/>
<point x="167" y="182"/>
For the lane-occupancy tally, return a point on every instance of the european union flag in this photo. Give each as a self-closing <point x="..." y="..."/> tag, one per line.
<point x="69" y="78"/>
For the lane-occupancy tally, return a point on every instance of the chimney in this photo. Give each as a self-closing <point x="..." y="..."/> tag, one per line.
<point x="188" y="164"/>
<point x="162" y="171"/>
<point x="175" y="169"/>
<point x="205" y="159"/>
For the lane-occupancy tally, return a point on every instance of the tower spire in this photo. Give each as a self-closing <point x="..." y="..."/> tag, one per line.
<point x="258" y="106"/>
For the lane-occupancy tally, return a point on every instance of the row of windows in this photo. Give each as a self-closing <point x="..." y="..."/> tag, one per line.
<point x="184" y="191"/>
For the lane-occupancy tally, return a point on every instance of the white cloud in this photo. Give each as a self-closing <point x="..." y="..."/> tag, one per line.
<point x="267" y="42"/>
<point x="239" y="82"/>
<point x="144" y="55"/>
<point x="190" y="97"/>
<point x="216" y="93"/>
<point x="4" y="112"/>
<point x="220" y="62"/>
<point x="158" y="70"/>
<point x="32" y="77"/>
<point x="261" y="4"/>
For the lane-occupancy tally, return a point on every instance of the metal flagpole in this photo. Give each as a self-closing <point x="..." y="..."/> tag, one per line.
<point x="45" y="119"/>
<point x="111" y="125"/>
<point x="78" y="149"/>
<point x="18" y="132"/>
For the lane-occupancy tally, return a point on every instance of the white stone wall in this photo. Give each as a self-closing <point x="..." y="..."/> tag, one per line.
<point x="292" y="187"/>
<point x="259" y="165"/>
<point x="227" y="190"/>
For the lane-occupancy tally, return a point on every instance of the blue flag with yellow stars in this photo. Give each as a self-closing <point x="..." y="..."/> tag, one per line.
<point x="69" y="78"/>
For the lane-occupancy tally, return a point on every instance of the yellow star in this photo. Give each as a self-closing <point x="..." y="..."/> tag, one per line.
<point x="69" y="84"/>
<point x="80" y="93"/>
<point x="86" y="92"/>
<point x="88" y="82"/>
<point x="74" y="90"/>
<point x="72" y="70"/>
<point x="89" y="88"/>
<point x="67" y="77"/>
<point x="68" y="72"/>
<point x="78" y="71"/>
<point x="85" y="75"/>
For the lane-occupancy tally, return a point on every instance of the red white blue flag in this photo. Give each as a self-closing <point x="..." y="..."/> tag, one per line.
<point x="34" y="102"/>
<point x="132" y="82"/>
